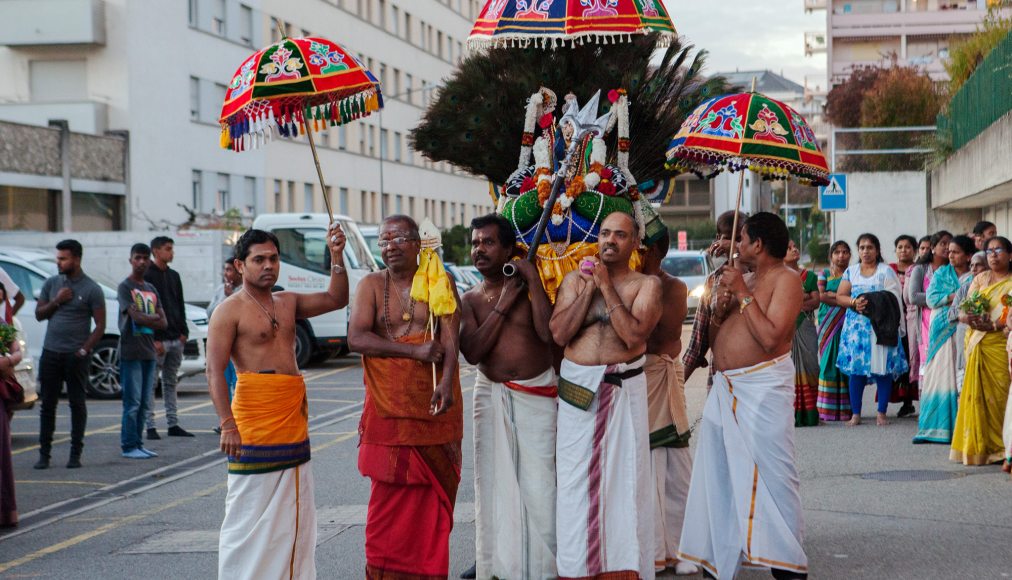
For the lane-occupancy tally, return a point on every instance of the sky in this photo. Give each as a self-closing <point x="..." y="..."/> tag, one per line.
<point x="752" y="35"/>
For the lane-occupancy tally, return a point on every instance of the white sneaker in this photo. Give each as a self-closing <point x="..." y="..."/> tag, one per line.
<point x="147" y="452"/>
<point x="136" y="454"/>
<point x="686" y="569"/>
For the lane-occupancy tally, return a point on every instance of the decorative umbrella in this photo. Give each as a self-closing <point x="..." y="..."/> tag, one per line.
<point x="545" y="23"/>
<point x="748" y="131"/>
<point x="293" y="87"/>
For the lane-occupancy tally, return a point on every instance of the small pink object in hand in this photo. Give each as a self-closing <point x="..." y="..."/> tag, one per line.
<point x="587" y="267"/>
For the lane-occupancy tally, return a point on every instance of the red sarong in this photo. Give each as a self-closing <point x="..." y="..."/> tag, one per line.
<point x="414" y="461"/>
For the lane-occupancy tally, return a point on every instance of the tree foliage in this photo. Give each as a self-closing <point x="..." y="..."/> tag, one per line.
<point x="900" y="97"/>
<point x="476" y="121"/>
<point x="457" y="245"/>
<point x="843" y="103"/>
<point x="966" y="54"/>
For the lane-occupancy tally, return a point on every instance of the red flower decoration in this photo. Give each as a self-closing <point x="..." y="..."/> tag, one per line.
<point x="527" y="184"/>
<point x="613" y="95"/>
<point x="606" y="173"/>
<point x="546" y="120"/>
<point x="606" y="188"/>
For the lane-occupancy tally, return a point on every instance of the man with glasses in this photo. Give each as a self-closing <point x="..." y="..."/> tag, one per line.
<point x="411" y="429"/>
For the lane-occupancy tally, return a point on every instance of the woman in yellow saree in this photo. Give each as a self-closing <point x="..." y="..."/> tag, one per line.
<point x="977" y="437"/>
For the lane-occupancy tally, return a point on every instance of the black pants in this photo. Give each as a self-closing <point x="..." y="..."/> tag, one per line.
<point x="56" y="368"/>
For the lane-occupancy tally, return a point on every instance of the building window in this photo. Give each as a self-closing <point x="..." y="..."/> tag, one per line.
<point x="395" y="17"/>
<point x="290" y="201"/>
<point x="372" y="141"/>
<point x="361" y="138"/>
<point x="250" y="191"/>
<point x="219" y="94"/>
<point x="439" y="44"/>
<point x="277" y="195"/>
<point x="384" y="136"/>
<point x="246" y="25"/>
<point x="383" y="75"/>
<point x="399" y="204"/>
<point x="365" y="214"/>
<point x="382" y="9"/>
<point x="221" y="201"/>
<point x="195" y="99"/>
<point x="407" y="28"/>
<point x="342" y="201"/>
<point x="196" y="184"/>
<point x="397" y="146"/>
<point x="342" y="137"/>
<point x="192" y="10"/>
<point x="409" y="84"/>
<point x="218" y="18"/>
<point x="307" y="197"/>
<point x="397" y="83"/>
<point x="385" y="207"/>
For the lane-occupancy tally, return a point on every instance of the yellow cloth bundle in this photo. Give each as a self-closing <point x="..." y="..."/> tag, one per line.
<point x="432" y="284"/>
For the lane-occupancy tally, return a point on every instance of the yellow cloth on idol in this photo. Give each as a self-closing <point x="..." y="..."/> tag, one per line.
<point x="432" y="285"/>
<point x="977" y="437"/>
<point x="552" y="268"/>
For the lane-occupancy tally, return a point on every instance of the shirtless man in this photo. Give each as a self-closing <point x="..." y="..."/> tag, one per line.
<point x="604" y="319"/>
<point x="410" y="429"/>
<point x="746" y="439"/>
<point x="505" y="332"/>
<point x="265" y="430"/>
<point x="669" y="422"/>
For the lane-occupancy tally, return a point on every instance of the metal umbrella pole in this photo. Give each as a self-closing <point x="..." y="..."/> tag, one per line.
<point x="557" y="181"/>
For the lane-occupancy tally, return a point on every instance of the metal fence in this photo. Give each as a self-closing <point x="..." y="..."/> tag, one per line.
<point x="881" y="148"/>
<point x="983" y="99"/>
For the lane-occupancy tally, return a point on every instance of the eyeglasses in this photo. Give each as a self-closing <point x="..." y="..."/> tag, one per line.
<point x="384" y="244"/>
<point x="995" y="251"/>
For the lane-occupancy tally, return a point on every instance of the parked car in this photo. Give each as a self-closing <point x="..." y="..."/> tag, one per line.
<point x="692" y="268"/>
<point x="30" y="268"/>
<point x="371" y="235"/>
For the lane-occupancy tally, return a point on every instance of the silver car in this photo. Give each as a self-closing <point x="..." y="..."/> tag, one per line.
<point x="692" y="268"/>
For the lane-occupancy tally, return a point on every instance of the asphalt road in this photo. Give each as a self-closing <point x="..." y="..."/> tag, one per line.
<point x="869" y="512"/>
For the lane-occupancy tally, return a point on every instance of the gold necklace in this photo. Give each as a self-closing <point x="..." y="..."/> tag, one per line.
<point x="407" y="316"/>
<point x="272" y="315"/>
<point x="487" y="297"/>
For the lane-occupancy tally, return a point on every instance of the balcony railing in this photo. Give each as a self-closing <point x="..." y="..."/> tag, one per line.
<point x="982" y="100"/>
<point x="813" y="5"/>
<point x="815" y="43"/>
<point x="30" y="23"/>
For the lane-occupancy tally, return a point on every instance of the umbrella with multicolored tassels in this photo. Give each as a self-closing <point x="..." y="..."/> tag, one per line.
<point x="748" y="131"/>
<point x="551" y="23"/>
<point x="295" y="87"/>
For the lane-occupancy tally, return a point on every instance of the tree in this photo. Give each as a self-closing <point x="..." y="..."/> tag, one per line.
<point x="901" y="97"/>
<point x="457" y="245"/>
<point x="843" y="103"/>
<point x="476" y="121"/>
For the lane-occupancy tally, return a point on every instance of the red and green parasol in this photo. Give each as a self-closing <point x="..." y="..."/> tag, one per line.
<point x="503" y="23"/>
<point x="294" y="87"/>
<point x="749" y="131"/>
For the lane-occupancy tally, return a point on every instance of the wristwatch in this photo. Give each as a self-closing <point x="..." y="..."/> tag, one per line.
<point x="337" y="269"/>
<point x="744" y="303"/>
<point x="82" y="352"/>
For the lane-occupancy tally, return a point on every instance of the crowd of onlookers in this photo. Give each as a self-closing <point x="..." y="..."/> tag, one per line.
<point x="932" y="327"/>
<point x="152" y="332"/>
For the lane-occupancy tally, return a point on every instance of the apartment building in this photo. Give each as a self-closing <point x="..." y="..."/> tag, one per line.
<point x="156" y="72"/>
<point x="883" y="32"/>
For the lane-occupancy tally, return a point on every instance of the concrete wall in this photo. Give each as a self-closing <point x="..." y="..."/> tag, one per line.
<point x="979" y="174"/>
<point x="886" y="204"/>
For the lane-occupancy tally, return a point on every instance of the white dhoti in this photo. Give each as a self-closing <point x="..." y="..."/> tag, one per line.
<point x="669" y="451"/>
<point x="605" y="497"/>
<point x="514" y="477"/>
<point x="269" y="531"/>
<point x="744" y="504"/>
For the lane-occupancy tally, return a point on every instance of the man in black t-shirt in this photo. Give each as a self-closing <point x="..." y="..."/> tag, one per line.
<point x="170" y="340"/>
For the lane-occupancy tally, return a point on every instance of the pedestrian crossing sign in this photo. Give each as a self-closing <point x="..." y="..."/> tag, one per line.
<point x="833" y="197"/>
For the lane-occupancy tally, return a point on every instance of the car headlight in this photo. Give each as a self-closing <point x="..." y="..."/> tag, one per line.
<point x="697" y="292"/>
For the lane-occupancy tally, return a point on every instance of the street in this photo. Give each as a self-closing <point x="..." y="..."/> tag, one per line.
<point x="875" y="505"/>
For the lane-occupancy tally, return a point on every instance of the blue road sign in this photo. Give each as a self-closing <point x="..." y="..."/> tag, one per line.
<point x="833" y="197"/>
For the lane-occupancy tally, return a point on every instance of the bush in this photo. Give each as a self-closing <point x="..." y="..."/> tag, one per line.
<point x="967" y="53"/>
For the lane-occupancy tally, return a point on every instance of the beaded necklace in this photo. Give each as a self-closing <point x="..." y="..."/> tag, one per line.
<point x="406" y="315"/>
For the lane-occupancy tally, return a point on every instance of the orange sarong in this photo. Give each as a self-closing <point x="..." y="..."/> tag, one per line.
<point x="272" y="415"/>
<point x="414" y="461"/>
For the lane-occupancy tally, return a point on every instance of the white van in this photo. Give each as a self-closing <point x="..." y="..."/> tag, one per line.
<point x="305" y="267"/>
